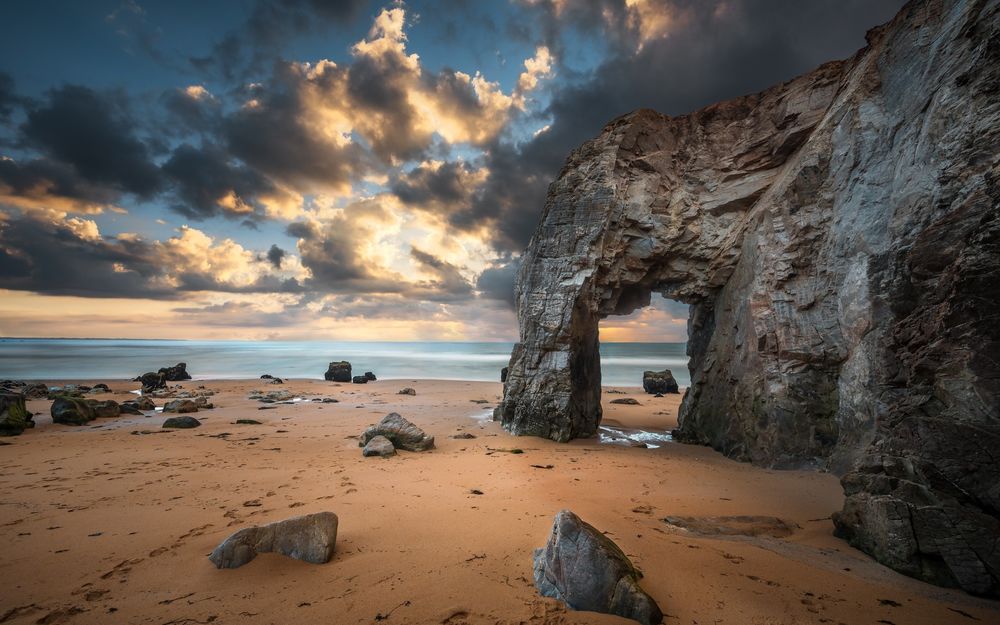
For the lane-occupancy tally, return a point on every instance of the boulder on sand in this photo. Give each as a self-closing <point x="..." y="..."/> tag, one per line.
<point x="14" y="416"/>
<point x="338" y="372"/>
<point x="180" y="406"/>
<point x="310" y="538"/>
<point x="584" y="569"/>
<point x="143" y="403"/>
<point x="407" y="391"/>
<point x="359" y="379"/>
<point x="399" y="431"/>
<point x="181" y="423"/>
<point x="370" y="376"/>
<point x="71" y="411"/>
<point x="151" y="381"/>
<point x="654" y="382"/>
<point x="379" y="446"/>
<point x="105" y="409"/>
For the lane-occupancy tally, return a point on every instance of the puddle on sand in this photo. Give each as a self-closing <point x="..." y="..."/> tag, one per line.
<point x="633" y="438"/>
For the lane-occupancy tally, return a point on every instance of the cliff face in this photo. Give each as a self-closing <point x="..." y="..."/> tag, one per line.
<point x="838" y="240"/>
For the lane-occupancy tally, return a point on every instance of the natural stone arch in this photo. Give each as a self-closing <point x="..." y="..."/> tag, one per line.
<point x="838" y="239"/>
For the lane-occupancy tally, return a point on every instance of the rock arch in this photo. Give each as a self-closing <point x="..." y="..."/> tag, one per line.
<point x="838" y="240"/>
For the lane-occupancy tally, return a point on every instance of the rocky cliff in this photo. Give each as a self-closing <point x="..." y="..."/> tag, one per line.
<point x="838" y="240"/>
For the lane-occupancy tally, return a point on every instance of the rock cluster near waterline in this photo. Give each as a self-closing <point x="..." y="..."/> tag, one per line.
<point x="584" y="569"/>
<point x="14" y="415"/>
<point x="338" y="372"/>
<point x="659" y="382"/>
<point x="310" y="538"/>
<point x="400" y="432"/>
<point x="837" y="238"/>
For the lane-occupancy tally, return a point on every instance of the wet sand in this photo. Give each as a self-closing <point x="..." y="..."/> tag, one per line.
<point x="105" y="526"/>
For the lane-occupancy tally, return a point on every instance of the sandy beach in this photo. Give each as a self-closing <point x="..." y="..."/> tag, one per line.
<point x="112" y="522"/>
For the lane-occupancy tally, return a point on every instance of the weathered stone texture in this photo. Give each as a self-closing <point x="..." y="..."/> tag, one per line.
<point x="838" y="240"/>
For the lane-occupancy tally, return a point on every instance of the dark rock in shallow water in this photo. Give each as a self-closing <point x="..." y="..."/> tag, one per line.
<point x="402" y="434"/>
<point x="14" y="416"/>
<point x="105" y="409"/>
<point x="143" y="403"/>
<point x="584" y="569"/>
<point x="184" y="422"/>
<point x="310" y="538"/>
<point x="379" y="446"/>
<point x="359" y="379"/>
<point x="176" y="373"/>
<point x="180" y="406"/>
<point x="654" y="382"/>
<point x="370" y="376"/>
<point x="71" y="411"/>
<point x="338" y="372"/>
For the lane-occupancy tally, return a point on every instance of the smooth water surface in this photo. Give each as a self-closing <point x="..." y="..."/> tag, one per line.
<point x="40" y="359"/>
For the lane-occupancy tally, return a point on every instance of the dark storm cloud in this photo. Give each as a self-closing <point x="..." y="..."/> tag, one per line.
<point x="203" y="176"/>
<point x="51" y="258"/>
<point x="497" y="282"/>
<point x="449" y="283"/>
<point x="713" y="56"/>
<point x="273" y="137"/>
<point x="191" y="113"/>
<point x="275" y="255"/>
<point x="96" y="134"/>
<point x="54" y="258"/>
<point x="37" y="181"/>
<point x="424" y="186"/>
<point x="270" y="26"/>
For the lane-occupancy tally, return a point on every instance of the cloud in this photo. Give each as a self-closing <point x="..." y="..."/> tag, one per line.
<point x="50" y="187"/>
<point x="208" y="183"/>
<point x="94" y="133"/>
<point x="275" y="255"/>
<point x="71" y="257"/>
<point x="269" y="27"/>
<point x="447" y="280"/>
<point x="497" y="282"/>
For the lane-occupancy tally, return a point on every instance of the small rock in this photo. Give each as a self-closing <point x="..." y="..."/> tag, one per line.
<point x="247" y="422"/>
<point x="370" y="376"/>
<point x="181" y="422"/>
<point x="310" y="538"/>
<point x="105" y="409"/>
<point x="359" y="379"/>
<point x="180" y="406"/>
<point x="584" y="569"/>
<point x="464" y="435"/>
<point x="628" y="401"/>
<point x="379" y="446"/>
<point x="407" y="391"/>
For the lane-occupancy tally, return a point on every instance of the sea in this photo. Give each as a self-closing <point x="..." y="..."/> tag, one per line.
<point x="622" y="364"/>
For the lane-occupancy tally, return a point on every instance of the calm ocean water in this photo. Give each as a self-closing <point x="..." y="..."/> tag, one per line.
<point x="621" y="363"/>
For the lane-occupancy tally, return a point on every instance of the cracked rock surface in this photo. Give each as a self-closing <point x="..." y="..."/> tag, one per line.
<point x="837" y="238"/>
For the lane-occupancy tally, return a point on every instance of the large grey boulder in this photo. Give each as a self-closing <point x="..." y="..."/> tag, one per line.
<point x="837" y="238"/>
<point x="310" y="538"/>
<point x="14" y="416"/>
<point x="402" y="434"/>
<point x="584" y="569"/>
<point x="338" y="372"/>
<point x="379" y="446"/>
<point x="105" y="409"/>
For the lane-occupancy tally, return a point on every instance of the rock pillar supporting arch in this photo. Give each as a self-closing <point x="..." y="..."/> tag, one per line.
<point x="838" y="238"/>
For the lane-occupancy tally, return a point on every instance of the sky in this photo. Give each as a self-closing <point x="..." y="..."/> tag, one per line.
<point x="337" y="169"/>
